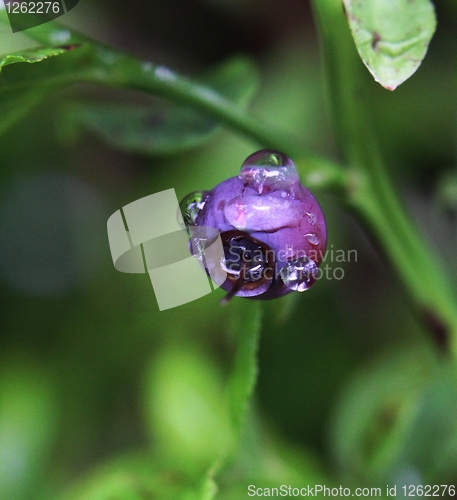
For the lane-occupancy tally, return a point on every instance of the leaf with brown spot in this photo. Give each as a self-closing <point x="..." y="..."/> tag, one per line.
<point x="392" y="38"/>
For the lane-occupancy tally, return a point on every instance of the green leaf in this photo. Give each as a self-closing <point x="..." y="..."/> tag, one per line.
<point x="392" y="37"/>
<point x="20" y="48"/>
<point x="447" y="190"/>
<point x="23" y="88"/>
<point x="138" y="476"/>
<point x="194" y="412"/>
<point x="267" y="460"/>
<point x="18" y="103"/>
<point x="400" y="417"/>
<point x="186" y="410"/>
<point x="162" y="128"/>
<point x="431" y="443"/>
<point x="371" y="431"/>
<point x="28" y="418"/>
<point x="11" y="43"/>
<point x="31" y="56"/>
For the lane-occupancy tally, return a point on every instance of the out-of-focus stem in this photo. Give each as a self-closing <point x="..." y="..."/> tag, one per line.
<point x="373" y="196"/>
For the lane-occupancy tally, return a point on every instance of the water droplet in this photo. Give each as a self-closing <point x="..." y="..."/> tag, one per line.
<point x="60" y="36"/>
<point x="165" y="74"/>
<point x="192" y="205"/>
<point x="268" y="170"/>
<point x="311" y="218"/>
<point x="313" y="238"/>
<point x="210" y="95"/>
<point x="299" y="274"/>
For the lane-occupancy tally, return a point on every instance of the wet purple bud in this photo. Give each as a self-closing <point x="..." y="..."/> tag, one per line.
<point x="272" y="228"/>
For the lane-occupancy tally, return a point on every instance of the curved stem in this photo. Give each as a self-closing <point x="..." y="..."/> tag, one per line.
<point x="373" y="195"/>
<point x="94" y="62"/>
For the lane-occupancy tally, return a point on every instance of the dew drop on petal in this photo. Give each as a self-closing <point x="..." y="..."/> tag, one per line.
<point x="299" y="274"/>
<point x="311" y="218"/>
<point x="268" y="170"/>
<point x="313" y="238"/>
<point x="192" y="205"/>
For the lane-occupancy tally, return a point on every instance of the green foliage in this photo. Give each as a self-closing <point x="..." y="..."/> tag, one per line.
<point x="200" y="436"/>
<point x="31" y="56"/>
<point x="392" y="37"/>
<point x="447" y="190"/>
<point x="137" y="477"/>
<point x="20" y="91"/>
<point x="385" y="399"/>
<point x="404" y="406"/>
<point x="28" y="416"/>
<point x="162" y="129"/>
<point x="104" y="397"/>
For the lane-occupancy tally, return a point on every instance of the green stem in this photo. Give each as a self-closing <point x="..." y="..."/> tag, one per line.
<point x="372" y="194"/>
<point x="94" y="62"/>
<point x="246" y="330"/>
<point x="160" y="81"/>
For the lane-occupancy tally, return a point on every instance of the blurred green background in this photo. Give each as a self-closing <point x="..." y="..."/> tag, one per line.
<point x="104" y="397"/>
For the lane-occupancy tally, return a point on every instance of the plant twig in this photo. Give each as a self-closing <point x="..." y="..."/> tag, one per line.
<point x="374" y="197"/>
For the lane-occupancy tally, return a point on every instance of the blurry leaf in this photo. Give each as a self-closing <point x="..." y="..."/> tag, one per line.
<point x="392" y="37"/>
<point x="372" y="424"/>
<point x="139" y="477"/>
<point x="194" y="414"/>
<point x="431" y="444"/>
<point x="11" y="43"/>
<point x="18" y="102"/>
<point x="163" y="128"/>
<point x="25" y="87"/>
<point x="236" y="79"/>
<point x="27" y="424"/>
<point x="186" y="409"/>
<point x="399" y="421"/>
<point x="447" y="190"/>
<point x="22" y="89"/>
<point x="264" y="459"/>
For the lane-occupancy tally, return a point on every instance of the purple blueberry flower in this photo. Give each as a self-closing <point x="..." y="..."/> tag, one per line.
<point x="272" y="228"/>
